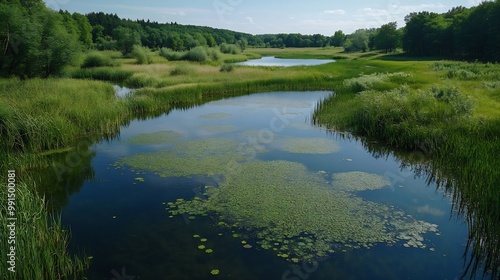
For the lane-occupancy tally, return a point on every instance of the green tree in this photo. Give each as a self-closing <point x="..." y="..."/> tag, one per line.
<point x="338" y="38"/>
<point x="126" y="38"/>
<point x="36" y="41"/>
<point x="357" y="41"/>
<point x="387" y="38"/>
<point x="84" y="29"/>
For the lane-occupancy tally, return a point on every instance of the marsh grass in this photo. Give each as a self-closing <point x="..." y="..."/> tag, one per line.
<point x="40" y="115"/>
<point x="41" y="242"/>
<point x="111" y="74"/>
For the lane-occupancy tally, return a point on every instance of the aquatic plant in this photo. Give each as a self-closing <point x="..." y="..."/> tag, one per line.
<point x="282" y="201"/>
<point x="218" y="128"/>
<point x="159" y="137"/>
<point x="214" y="272"/>
<point x="197" y="157"/>
<point x="309" y="145"/>
<point x="358" y="181"/>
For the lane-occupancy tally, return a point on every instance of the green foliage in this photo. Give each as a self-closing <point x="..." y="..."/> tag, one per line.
<point x="171" y="55"/>
<point x="126" y="39"/>
<point x="36" y="42"/>
<point x="358" y="41"/>
<point x="197" y="54"/>
<point x="229" y="48"/>
<point x="40" y="240"/>
<point x="142" y="55"/>
<point x="387" y="37"/>
<point x="226" y="67"/>
<point x="182" y="69"/>
<point x="97" y="59"/>
<point x="470" y="33"/>
<point x="101" y="73"/>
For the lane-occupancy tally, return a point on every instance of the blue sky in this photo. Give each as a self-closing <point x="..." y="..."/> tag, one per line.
<point x="266" y="16"/>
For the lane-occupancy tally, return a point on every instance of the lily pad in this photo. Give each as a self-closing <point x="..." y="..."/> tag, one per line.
<point x="215" y="272"/>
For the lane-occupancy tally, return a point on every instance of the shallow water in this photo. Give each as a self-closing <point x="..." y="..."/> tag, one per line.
<point x="120" y="218"/>
<point x="283" y="62"/>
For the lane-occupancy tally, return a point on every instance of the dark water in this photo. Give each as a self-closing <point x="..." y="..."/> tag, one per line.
<point x="123" y="224"/>
<point x="283" y="62"/>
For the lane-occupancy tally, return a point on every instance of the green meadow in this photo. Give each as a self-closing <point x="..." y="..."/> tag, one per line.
<point x="447" y="112"/>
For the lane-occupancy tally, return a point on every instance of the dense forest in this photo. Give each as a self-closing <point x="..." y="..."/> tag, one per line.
<point x="39" y="42"/>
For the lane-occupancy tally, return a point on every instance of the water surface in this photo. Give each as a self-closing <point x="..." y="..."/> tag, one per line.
<point x="119" y="215"/>
<point x="284" y="62"/>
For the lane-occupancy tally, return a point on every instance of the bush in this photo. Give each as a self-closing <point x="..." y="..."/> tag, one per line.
<point x="214" y="54"/>
<point x="229" y="48"/>
<point x="226" y="67"/>
<point x="171" y="55"/>
<point x="142" y="55"/>
<point x="197" y="54"/>
<point x="462" y="105"/>
<point x="96" y="59"/>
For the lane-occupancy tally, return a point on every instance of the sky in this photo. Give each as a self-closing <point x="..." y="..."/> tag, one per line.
<point x="266" y="16"/>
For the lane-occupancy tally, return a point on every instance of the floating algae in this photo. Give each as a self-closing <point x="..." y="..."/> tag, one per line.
<point x="281" y="202"/>
<point x="359" y="181"/>
<point x="216" y="116"/>
<point x="309" y="145"/>
<point x="219" y="128"/>
<point x="198" y="157"/>
<point x="160" y="137"/>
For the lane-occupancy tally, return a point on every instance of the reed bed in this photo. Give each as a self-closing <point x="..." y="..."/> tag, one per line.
<point x="41" y="242"/>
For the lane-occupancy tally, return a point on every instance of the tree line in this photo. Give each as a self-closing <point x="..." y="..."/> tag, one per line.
<point x="38" y="42"/>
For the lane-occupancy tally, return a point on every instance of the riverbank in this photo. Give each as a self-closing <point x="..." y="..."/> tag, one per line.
<point x="448" y="112"/>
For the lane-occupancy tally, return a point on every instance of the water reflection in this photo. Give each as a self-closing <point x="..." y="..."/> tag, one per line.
<point x="283" y="62"/>
<point x="454" y="179"/>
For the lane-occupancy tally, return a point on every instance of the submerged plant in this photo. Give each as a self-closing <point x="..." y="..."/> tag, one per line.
<point x="160" y="137"/>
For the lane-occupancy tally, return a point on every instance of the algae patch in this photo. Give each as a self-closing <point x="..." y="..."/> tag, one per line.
<point x="159" y="137"/>
<point x="358" y="181"/>
<point x="207" y="157"/>
<point x="309" y="145"/>
<point x="295" y="212"/>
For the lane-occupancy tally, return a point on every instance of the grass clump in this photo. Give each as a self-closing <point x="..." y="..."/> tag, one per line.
<point x="226" y="67"/>
<point x="373" y="81"/>
<point x="142" y="55"/>
<point x="111" y="74"/>
<point x="41" y="242"/>
<point x="97" y="59"/>
<point x="182" y="70"/>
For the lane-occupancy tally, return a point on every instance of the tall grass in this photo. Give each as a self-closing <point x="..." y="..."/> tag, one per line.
<point x="40" y="115"/>
<point x="41" y="242"/>
<point x="438" y="122"/>
<point x="111" y="74"/>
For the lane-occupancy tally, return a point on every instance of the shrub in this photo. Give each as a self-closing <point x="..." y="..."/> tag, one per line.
<point x="214" y="54"/>
<point x="96" y="59"/>
<point x="197" y="54"/>
<point x="226" y="67"/>
<point x="171" y="55"/>
<point x="229" y="48"/>
<point x="142" y="55"/>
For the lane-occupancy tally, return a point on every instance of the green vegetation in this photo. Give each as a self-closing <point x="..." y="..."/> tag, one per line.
<point x="41" y="242"/>
<point x="309" y="145"/>
<point x="160" y="137"/>
<point x="294" y="211"/>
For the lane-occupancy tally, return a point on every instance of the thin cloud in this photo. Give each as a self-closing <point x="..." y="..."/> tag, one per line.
<point x="334" y="12"/>
<point x="249" y="20"/>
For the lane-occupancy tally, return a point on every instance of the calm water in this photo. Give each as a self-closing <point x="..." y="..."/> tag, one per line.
<point x="283" y="62"/>
<point x="123" y="224"/>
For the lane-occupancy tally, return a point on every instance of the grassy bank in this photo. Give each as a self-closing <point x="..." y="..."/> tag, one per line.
<point x="40" y="242"/>
<point x="448" y="113"/>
